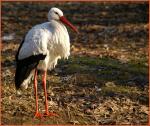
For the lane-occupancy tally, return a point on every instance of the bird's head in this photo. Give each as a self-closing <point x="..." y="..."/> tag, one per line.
<point x="57" y="14"/>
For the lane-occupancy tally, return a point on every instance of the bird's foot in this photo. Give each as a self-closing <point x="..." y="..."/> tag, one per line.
<point x="38" y="115"/>
<point x="50" y="114"/>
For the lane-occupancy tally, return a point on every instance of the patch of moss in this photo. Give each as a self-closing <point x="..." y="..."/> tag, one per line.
<point x="121" y="89"/>
<point x="72" y="68"/>
<point x="107" y="69"/>
<point x="110" y="64"/>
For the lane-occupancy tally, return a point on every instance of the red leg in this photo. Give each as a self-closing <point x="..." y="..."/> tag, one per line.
<point x="37" y="114"/>
<point x="47" y="113"/>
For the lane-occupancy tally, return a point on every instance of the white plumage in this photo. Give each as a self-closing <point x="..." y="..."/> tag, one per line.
<point x="43" y="45"/>
<point x="48" y="38"/>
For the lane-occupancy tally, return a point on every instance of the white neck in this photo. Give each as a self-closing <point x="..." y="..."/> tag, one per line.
<point x="61" y="38"/>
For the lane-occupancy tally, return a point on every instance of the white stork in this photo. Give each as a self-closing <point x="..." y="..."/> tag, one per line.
<point x="43" y="45"/>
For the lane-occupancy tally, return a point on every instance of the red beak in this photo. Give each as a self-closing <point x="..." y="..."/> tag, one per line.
<point x="65" y="21"/>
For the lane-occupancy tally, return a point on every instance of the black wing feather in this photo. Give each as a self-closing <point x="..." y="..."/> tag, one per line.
<point x="25" y="66"/>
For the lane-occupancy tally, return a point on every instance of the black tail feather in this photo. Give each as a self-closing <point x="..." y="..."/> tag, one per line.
<point x="24" y="68"/>
<point x="22" y="73"/>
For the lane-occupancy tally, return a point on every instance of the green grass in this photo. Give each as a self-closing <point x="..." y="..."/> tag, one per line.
<point x="106" y="68"/>
<point x="85" y="62"/>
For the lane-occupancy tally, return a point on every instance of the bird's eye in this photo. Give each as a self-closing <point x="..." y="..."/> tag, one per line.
<point x="56" y="13"/>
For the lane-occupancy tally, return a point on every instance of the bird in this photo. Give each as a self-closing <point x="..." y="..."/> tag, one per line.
<point x="41" y="48"/>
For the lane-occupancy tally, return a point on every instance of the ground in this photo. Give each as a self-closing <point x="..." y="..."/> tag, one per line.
<point x="104" y="81"/>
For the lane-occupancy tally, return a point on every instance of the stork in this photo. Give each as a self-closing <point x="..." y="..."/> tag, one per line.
<point x="40" y="49"/>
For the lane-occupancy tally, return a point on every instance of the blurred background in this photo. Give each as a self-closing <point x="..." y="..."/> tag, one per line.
<point x="105" y="80"/>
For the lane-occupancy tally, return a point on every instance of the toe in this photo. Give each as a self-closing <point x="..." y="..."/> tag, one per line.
<point x="38" y="115"/>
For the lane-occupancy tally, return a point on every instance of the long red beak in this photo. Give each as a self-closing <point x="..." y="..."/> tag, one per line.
<point x="65" y="21"/>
